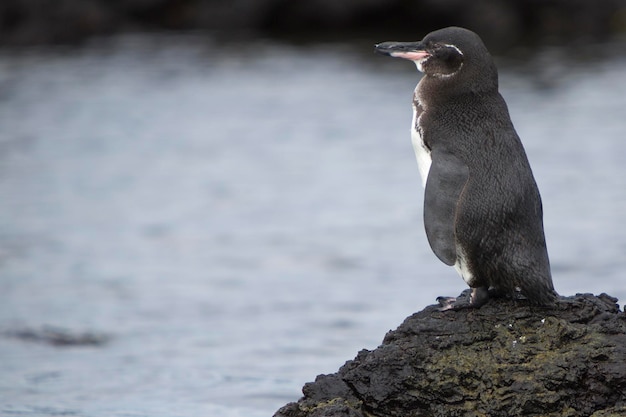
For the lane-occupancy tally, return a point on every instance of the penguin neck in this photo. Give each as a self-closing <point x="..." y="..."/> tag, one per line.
<point x="432" y="91"/>
<point x="418" y="103"/>
<point x="478" y="80"/>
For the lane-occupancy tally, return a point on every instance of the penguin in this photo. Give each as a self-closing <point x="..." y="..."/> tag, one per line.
<point x="482" y="209"/>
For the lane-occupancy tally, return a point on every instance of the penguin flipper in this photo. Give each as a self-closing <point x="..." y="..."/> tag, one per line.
<point x="446" y="179"/>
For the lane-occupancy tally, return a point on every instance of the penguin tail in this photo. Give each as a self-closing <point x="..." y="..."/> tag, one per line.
<point x="541" y="294"/>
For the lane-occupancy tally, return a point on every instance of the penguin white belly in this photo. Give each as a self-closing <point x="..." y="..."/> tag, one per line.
<point x="424" y="161"/>
<point x="461" y="267"/>
<point x="422" y="154"/>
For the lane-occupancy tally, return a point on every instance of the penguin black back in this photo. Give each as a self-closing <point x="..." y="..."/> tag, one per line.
<point x="482" y="208"/>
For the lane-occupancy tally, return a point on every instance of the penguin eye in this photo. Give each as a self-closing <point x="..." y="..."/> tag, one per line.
<point x="448" y="60"/>
<point x="449" y="53"/>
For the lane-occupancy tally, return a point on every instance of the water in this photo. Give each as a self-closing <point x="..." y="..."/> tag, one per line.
<point x="229" y="222"/>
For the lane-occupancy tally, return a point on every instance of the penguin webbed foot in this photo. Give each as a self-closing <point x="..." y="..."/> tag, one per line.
<point x="476" y="298"/>
<point x="447" y="303"/>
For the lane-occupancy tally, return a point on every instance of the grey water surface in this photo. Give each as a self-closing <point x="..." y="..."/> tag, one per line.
<point x="195" y="230"/>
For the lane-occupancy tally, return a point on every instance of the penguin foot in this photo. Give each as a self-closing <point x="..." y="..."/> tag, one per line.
<point x="446" y="303"/>
<point x="477" y="298"/>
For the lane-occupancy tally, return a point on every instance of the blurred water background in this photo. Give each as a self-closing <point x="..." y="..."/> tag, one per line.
<point x="195" y="229"/>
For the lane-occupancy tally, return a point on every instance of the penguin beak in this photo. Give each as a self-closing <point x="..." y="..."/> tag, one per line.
<point x="414" y="51"/>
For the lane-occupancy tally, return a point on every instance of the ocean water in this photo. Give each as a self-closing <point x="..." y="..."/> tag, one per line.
<point x="195" y="229"/>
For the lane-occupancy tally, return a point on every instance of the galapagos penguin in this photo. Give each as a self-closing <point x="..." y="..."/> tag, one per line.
<point x="482" y="209"/>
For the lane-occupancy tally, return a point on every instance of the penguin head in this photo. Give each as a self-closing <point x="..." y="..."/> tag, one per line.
<point x="451" y="56"/>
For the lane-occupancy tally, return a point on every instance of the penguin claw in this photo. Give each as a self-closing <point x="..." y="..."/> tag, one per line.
<point x="446" y="303"/>
<point x="475" y="299"/>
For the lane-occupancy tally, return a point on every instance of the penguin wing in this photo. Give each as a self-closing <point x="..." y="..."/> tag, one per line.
<point x="446" y="179"/>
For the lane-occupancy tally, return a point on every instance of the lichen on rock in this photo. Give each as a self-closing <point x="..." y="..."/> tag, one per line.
<point x="505" y="359"/>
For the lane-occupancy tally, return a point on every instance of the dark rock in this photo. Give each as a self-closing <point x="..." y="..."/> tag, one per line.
<point x="504" y="359"/>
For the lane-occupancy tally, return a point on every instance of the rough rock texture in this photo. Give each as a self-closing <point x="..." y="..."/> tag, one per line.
<point x="504" y="359"/>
